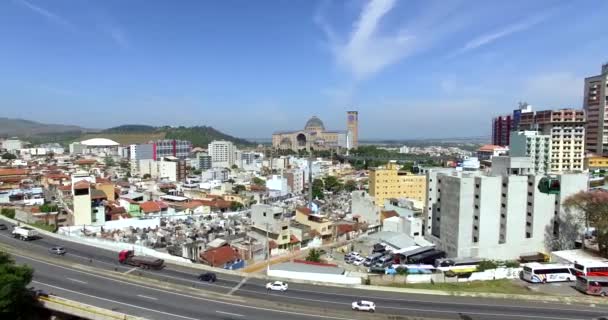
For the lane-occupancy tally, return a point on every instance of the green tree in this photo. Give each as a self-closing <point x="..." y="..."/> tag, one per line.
<point x="235" y="206"/>
<point x="147" y="176"/>
<point x="258" y="181"/>
<point x="8" y="212"/>
<point x="408" y="166"/>
<point x="234" y="167"/>
<point x="486" y="265"/>
<point x="350" y="185"/>
<point x="9" y="156"/>
<point x="238" y="188"/>
<point x="332" y="184"/>
<point x="314" y="255"/>
<point x="109" y="162"/>
<point x="15" y="299"/>
<point x="317" y="189"/>
<point x="593" y="206"/>
<point x="49" y="208"/>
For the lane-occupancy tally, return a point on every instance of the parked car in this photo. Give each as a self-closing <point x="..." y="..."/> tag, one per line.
<point x="3" y="226"/>
<point x="57" y="250"/>
<point x="353" y="254"/>
<point x="276" y="286"/>
<point x="364" y="306"/>
<point x="358" y="261"/>
<point x="208" y="276"/>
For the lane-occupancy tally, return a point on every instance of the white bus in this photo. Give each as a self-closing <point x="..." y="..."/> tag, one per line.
<point x="542" y="273"/>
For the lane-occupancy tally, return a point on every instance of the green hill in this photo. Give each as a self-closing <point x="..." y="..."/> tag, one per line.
<point x="200" y="136"/>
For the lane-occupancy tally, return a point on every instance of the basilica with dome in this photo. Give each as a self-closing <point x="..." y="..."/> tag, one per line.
<point x="315" y="136"/>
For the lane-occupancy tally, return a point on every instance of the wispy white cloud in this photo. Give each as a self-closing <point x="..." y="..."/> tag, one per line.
<point x="488" y="38"/>
<point x="367" y="51"/>
<point x="53" y="17"/>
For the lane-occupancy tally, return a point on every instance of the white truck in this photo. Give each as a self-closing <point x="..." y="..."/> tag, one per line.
<point x="25" y="233"/>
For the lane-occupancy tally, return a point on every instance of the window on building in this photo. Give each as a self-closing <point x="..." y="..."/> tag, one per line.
<point x="528" y="235"/>
<point x="503" y="205"/>
<point x="476" y="207"/>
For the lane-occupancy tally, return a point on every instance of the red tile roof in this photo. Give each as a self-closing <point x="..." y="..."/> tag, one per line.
<point x="85" y="161"/>
<point x="152" y="206"/>
<point x="12" y="172"/>
<point x="56" y="176"/>
<point x="389" y="214"/>
<point x="294" y="239"/>
<point x="82" y="184"/>
<point x="220" y="256"/>
<point x="345" y="228"/>
<point x="304" y="210"/>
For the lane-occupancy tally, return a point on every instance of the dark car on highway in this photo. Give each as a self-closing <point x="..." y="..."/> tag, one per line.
<point x="57" y="250"/>
<point x="3" y="226"/>
<point x="209" y="277"/>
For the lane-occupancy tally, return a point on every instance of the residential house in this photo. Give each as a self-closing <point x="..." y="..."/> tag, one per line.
<point x="316" y="222"/>
<point x="224" y="257"/>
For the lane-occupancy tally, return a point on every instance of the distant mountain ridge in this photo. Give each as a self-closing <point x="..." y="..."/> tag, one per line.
<point x="25" y="128"/>
<point x="37" y="133"/>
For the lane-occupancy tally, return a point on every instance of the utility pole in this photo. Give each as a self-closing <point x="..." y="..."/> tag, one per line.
<point x="267" y="249"/>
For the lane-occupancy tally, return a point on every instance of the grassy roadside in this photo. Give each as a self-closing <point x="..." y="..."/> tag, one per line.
<point x="491" y="286"/>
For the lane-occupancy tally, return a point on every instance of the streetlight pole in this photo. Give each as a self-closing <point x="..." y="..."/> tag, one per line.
<point x="267" y="249"/>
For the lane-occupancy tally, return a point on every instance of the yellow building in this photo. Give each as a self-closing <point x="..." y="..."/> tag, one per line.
<point x="596" y="163"/>
<point x="388" y="182"/>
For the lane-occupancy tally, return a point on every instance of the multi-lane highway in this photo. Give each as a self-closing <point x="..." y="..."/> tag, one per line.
<point x="93" y="276"/>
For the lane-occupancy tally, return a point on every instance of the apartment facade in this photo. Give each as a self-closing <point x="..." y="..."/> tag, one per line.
<point x="501" y="130"/>
<point x="389" y="182"/>
<point x="567" y="130"/>
<point x="223" y="153"/>
<point x="168" y="168"/>
<point x="534" y="145"/>
<point x="495" y="216"/>
<point x="595" y="103"/>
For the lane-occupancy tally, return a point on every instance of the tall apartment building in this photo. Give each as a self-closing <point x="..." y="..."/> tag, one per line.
<point x="595" y="103"/>
<point x="389" y="182"/>
<point x="567" y="130"/>
<point x="222" y="153"/>
<point x="169" y="168"/>
<point x="534" y="145"/>
<point x="497" y="215"/>
<point x="204" y="161"/>
<point x="172" y="148"/>
<point x="501" y="130"/>
<point x="502" y="126"/>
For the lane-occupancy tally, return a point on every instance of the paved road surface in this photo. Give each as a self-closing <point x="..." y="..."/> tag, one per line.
<point x="150" y="302"/>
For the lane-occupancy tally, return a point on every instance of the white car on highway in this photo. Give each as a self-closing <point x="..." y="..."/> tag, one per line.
<point x="276" y="286"/>
<point x="364" y="306"/>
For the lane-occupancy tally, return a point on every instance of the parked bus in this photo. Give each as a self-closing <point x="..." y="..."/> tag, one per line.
<point x="591" y="269"/>
<point x="595" y="286"/>
<point x="542" y="273"/>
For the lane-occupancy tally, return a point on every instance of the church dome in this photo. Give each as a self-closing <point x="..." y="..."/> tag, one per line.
<point x="314" y="123"/>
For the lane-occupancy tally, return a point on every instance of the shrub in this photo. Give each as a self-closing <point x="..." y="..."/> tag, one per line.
<point x="8" y="212"/>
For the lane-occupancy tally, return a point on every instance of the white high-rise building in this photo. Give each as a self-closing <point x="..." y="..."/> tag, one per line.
<point x="534" y="145"/>
<point x="222" y="154"/>
<point x="499" y="216"/>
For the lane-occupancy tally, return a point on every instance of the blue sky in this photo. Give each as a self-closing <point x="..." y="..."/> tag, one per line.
<point x="412" y="68"/>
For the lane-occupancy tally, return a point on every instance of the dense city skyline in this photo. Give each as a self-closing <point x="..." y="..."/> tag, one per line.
<point x="104" y="64"/>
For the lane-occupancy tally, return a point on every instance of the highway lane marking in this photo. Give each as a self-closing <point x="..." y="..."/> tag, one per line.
<point x="230" y="313"/>
<point x="175" y="293"/>
<point x="113" y="301"/>
<point x="298" y="298"/>
<point x="130" y="270"/>
<point x="67" y="253"/>
<point x="147" y="297"/>
<point x="237" y="286"/>
<point x="76" y="280"/>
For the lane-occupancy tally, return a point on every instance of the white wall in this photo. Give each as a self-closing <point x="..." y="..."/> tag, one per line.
<point x="317" y="277"/>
